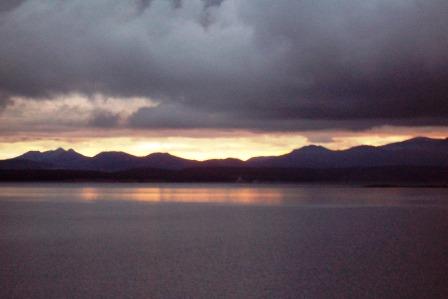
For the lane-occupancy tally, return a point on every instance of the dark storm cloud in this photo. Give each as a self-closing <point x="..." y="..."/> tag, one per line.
<point x="6" y="5"/>
<point x="104" y="119"/>
<point x="252" y="64"/>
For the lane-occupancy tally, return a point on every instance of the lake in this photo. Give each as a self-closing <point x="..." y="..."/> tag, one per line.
<point x="222" y="241"/>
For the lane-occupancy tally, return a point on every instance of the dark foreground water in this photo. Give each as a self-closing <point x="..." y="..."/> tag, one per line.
<point x="222" y="241"/>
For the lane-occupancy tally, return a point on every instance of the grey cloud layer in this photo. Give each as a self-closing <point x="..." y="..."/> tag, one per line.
<point x="252" y="64"/>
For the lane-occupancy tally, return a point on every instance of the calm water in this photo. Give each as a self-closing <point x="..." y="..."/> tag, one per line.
<point x="222" y="241"/>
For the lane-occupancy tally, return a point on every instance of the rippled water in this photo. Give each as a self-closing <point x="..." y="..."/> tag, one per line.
<point x="239" y="194"/>
<point x="222" y="241"/>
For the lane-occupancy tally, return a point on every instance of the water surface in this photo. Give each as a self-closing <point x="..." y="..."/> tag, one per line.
<point x="233" y="194"/>
<point x="222" y="241"/>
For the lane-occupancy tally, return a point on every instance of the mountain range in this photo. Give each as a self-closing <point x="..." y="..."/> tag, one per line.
<point x="419" y="151"/>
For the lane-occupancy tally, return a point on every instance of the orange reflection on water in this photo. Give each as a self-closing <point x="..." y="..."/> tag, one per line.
<point x="89" y="194"/>
<point x="236" y="195"/>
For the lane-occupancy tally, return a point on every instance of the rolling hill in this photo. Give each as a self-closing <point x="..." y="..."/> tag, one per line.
<point x="421" y="160"/>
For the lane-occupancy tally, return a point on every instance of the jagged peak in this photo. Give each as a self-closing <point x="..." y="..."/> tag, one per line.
<point x="59" y="150"/>
<point x="65" y="151"/>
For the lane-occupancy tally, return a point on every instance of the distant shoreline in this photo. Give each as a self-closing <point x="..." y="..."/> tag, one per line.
<point x="254" y="184"/>
<point x="442" y="186"/>
<point x="374" y="177"/>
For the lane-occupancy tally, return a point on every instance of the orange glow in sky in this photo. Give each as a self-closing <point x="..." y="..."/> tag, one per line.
<point x="240" y="145"/>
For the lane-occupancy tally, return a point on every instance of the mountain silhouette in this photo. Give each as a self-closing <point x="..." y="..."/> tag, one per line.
<point x="59" y="158"/>
<point x="420" y="151"/>
<point x="104" y="161"/>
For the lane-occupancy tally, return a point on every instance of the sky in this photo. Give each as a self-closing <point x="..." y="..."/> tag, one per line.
<point x="220" y="78"/>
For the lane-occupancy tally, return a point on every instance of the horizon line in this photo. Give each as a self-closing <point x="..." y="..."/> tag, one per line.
<point x="226" y="158"/>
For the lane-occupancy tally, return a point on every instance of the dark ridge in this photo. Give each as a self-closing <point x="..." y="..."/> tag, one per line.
<point x="419" y="151"/>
